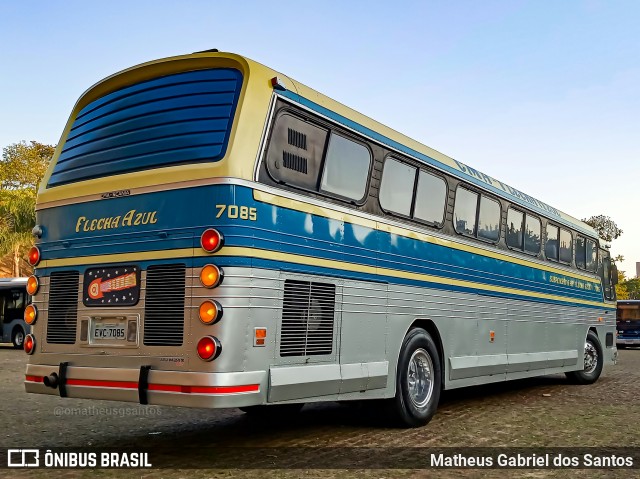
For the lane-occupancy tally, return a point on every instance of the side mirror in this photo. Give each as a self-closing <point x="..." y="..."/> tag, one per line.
<point x="614" y="274"/>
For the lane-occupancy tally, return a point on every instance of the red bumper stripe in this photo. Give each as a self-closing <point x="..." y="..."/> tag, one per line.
<point x="156" y="387"/>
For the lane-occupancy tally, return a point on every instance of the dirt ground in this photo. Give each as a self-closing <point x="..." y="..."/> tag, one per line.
<point x="542" y="412"/>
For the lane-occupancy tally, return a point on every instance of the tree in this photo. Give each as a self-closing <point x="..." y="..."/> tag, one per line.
<point x="21" y="170"/>
<point x="621" y="289"/>
<point x="607" y="228"/>
<point x="632" y="286"/>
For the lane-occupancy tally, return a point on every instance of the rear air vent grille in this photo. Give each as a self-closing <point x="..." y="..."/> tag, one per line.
<point x="294" y="162"/>
<point x="307" y="318"/>
<point x="63" y="307"/>
<point x="164" y="305"/>
<point x="297" y="139"/>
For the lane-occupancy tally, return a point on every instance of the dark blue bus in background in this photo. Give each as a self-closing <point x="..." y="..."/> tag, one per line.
<point x="13" y="300"/>
<point x="628" y="323"/>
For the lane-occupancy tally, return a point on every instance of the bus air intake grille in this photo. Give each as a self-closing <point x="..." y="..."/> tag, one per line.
<point x="63" y="307"/>
<point x="294" y="162"/>
<point x="307" y="318"/>
<point x="297" y="138"/>
<point x="164" y="305"/>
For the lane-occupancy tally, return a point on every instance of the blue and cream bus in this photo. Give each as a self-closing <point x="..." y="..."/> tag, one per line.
<point x="212" y="233"/>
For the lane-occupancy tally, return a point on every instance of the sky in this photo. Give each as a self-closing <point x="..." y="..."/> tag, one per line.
<point x="543" y="95"/>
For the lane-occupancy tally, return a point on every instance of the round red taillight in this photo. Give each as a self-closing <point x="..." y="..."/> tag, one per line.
<point x="210" y="312"/>
<point x="211" y="240"/>
<point x="34" y="256"/>
<point x="32" y="285"/>
<point x="30" y="314"/>
<point x="209" y="348"/>
<point x="29" y="344"/>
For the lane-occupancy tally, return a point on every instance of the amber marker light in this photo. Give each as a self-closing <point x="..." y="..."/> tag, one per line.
<point x="29" y="344"/>
<point x="211" y="240"/>
<point x="30" y="314"/>
<point x="32" y="285"/>
<point x="211" y="276"/>
<point x="209" y="348"/>
<point x="34" y="256"/>
<point x="210" y="312"/>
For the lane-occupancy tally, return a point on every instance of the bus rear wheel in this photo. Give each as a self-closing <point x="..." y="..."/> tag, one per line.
<point x="418" y="381"/>
<point x="593" y="362"/>
<point x="17" y="338"/>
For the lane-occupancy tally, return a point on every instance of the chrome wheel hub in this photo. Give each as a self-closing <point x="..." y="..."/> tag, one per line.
<point x="420" y="378"/>
<point x="590" y="358"/>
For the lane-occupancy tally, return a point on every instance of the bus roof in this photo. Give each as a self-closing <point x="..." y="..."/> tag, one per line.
<point x="260" y="76"/>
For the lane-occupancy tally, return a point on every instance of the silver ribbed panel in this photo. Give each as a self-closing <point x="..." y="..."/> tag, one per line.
<point x="63" y="307"/>
<point x="164" y="305"/>
<point x="307" y="318"/>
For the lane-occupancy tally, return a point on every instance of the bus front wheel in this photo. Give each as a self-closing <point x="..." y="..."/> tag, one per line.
<point x="418" y="381"/>
<point x="593" y="362"/>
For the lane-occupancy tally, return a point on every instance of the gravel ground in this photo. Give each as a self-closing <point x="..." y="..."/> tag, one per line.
<point x="542" y="412"/>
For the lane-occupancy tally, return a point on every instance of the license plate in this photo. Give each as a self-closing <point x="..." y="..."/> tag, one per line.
<point x="109" y="331"/>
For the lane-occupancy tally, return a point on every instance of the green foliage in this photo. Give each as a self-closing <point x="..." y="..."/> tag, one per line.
<point x="23" y="165"/>
<point x="632" y="286"/>
<point x="607" y="228"/>
<point x="621" y="288"/>
<point x="21" y="170"/>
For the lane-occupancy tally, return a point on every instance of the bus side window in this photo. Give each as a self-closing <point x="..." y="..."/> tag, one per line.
<point x="551" y="246"/>
<point x="566" y="246"/>
<point x="396" y="189"/>
<point x="591" y="255"/>
<point x="346" y="168"/>
<point x="431" y="198"/>
<point x="489" y="219"/>
<point x="464" y="212"/>
<point x="580" y="253"/>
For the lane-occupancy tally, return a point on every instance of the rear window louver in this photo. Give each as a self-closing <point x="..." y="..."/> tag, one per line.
<point x="180" y="118"/>
<point x="164" y="305"/>
<point x="307" y="318"/>
<point x="62" y="318"/>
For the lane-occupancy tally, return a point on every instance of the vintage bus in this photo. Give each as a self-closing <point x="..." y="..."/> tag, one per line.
<point x="628" y="323"/>
<point x="212" y="233"/>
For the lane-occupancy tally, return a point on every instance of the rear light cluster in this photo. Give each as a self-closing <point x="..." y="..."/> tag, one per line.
<point x="30" y="314"/>
<point x="34" y="256"/>
<point x="210" y="311"/>
<point x="29" y="344"/>
<point x="33" y="285"/>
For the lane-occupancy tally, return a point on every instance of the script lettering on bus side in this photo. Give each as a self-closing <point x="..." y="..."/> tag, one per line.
<point x="574" y="283"/>
<point x="130" y="219"/>
<point x="506" y="188"/>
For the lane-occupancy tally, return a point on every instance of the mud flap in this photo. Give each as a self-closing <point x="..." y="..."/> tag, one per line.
<point x="143" y="384"/>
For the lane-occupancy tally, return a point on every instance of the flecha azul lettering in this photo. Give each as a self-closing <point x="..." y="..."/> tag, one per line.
<point x="130" y="218"/>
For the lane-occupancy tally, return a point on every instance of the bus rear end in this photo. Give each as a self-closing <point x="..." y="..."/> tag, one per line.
<point x="628" y="323"/>
<point x="134" y="300"/>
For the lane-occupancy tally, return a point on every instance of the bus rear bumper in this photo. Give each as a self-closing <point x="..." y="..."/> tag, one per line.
<point x="627" y="342"/>
<point x="169" y="388"/>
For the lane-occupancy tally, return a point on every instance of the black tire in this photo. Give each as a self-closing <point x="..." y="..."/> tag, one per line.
<point x="276" y="411"/>
<point x="592" y="365"/>
<point x="17" y="337"/>
<point x="409" y="408"/>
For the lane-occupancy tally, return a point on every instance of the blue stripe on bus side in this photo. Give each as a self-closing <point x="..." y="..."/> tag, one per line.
<point x="287" y="231"/>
